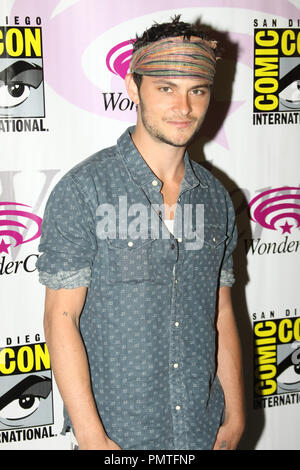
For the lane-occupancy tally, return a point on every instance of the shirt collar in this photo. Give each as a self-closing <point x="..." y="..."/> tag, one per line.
<point x="140" y="172"/>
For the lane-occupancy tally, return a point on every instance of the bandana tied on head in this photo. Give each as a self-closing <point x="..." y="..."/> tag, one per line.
<point x="176" y="57"/>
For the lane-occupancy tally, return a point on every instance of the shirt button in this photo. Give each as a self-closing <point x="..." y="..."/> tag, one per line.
<point x="214" y="239"/>
<point x="176" y="280"/>
<point x="179" y="240"/>
<point x="177" y="407"/>
<point x="154" y="183"/>
<point x="175" y="366"/>
<point x="176" y="323"/>
<point x="130" y="243"/>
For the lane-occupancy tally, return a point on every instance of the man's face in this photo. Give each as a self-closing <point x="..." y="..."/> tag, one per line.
<point x="172" y="110"/>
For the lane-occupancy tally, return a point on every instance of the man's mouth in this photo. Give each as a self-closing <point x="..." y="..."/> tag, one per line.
<point x="180" y="124"/>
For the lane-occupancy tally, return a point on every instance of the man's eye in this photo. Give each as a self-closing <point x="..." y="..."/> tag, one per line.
<point x="13" y="94"/>
<point x="198" y="91"/>
<point x="165" y="89"/>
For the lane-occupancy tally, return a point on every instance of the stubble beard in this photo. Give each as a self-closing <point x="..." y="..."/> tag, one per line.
<point x="158" y="135"/>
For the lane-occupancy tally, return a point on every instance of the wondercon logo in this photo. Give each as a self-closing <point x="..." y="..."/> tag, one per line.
<point x="118" y="58"/>
<point x="11" y="227"/>
<point x="277" y="209"/>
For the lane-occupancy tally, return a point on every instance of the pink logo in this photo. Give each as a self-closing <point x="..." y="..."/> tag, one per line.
<point x="276" y="208"/>
<point x="14" y="226"/>
<point x="118" y="58"/>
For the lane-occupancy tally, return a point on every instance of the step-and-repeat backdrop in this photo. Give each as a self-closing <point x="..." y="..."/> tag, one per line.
<point x="62" y="98"/>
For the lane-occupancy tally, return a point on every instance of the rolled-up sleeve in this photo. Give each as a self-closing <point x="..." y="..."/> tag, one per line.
<point x="227" y="277"/>
<point x="68" y="241"/>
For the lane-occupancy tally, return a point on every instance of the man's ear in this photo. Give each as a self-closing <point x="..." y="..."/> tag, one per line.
<point x="132" y="89"/>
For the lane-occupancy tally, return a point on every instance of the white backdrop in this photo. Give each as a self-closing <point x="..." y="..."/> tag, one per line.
<point x="62" y="98"/>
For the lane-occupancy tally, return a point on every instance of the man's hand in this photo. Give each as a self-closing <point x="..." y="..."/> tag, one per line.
<point x="103" y="444"/>
<point x="228" y="436"/>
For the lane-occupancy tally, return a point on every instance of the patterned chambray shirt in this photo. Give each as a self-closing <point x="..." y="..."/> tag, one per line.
<point x="148" y="323"/>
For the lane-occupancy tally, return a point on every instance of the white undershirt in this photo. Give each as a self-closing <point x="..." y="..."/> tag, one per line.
<point x="170" y="224"/>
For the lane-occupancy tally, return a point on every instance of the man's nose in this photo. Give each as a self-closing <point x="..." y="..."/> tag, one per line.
<point x="183" y="104"/>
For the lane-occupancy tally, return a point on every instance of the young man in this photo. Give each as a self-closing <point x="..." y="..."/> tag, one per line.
<point x="154" y="301"/>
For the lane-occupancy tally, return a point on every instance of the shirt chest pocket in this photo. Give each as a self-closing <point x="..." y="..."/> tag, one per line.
<point x="129" y="260"/>
<point x="214" y="237"/>
<point x="208" y="259"/>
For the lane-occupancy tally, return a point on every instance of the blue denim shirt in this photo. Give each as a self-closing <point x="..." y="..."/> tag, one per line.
<point x="148" y="322"/>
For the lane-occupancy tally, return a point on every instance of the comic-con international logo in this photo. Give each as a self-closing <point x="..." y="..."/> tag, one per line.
<point x="276" y="210"/>
<point x="276" y="362"/>
<point x="21" y="79"/>
<point x="26" y="405"/>
<point x="276" y="87"/>
<point x="18" y="226"/>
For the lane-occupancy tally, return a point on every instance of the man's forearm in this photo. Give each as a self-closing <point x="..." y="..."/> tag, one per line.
<point x="70" y="366"/>
<point x="229" y="372"/>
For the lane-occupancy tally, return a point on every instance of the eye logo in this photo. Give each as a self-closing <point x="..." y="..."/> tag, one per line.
<point x="21" y="72"/>
<point x="275" y="208"/>
<point x="16" y="84"/>
<point x="289" y="89"/>
<point x="25" y="388"/>
<point x="289" y="370"/>
<point x="118" y="58"/>
<point x="23" y="400"/>
<point x="13" y="226"/>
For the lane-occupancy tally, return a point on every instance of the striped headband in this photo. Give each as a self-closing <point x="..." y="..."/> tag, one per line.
<point x="176" y="57"/>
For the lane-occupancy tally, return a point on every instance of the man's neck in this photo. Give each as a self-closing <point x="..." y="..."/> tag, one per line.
<point x="166" y="161"/>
